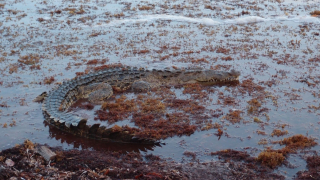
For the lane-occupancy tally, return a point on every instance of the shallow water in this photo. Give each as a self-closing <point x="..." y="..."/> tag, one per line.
<point x="268" y="41"/>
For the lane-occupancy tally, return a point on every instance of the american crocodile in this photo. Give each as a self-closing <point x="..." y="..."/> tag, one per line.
<point x="98" y="85"/>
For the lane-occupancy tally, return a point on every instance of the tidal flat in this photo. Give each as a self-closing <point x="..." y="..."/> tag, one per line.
<point x="274" y="44"/>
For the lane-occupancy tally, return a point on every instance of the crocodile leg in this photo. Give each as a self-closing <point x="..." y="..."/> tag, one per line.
<point x="96" y="92"/>
<point x="140" y="86"/>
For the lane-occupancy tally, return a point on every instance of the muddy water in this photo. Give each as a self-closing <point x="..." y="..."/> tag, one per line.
<point x="273" y="43"/>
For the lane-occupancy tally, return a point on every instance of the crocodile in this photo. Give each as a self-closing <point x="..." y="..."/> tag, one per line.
<point x="99" y="85"/>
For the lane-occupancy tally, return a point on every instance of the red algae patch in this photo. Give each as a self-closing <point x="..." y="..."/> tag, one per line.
<point x="213" y="126"/>
<point x="121" y="104"/>
<point x="271" y="159"/>
<point x="48" y="80"/>
<point x="248" y="86"/>
<point x="162" y="129"/>
<point x="85" y="164"/>
<point x="254" y="105"/>
<point x="278" y="132"/>
<point x="28" y="144"/>
<point x="145" y="8"/>
<point x="315" y="13"/>
<point x="230" y="154"/>
<point x="274" y="158"/>
<point x="196" y="90"/>
<point x="185" y="105"/>
<point x="115" y="65"/>
<point x="96" y="61"/>
<point x="313" y="165"/>
<point x="29" y="59"/>
<point x="116" y="111"/>
<point x="152" y="105"/>
<point x="298" y="142"/>
<point x="234" y="116"/>
<point x="157" y="118"/>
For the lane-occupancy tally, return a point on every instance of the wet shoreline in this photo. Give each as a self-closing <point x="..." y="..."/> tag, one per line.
<point x="273" y="43"/>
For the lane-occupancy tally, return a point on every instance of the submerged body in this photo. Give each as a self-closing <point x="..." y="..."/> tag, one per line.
<point x="98" y="86"/>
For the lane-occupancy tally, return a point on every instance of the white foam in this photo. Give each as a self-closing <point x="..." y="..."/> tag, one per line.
<point x="297" y="19"/>
<point x="246" y="20"/>
<point x="281" y="18"/>
<point x="208" y="21"/>
<point x="147" y="18"/>
<point x="306" y="19"/>
<point x="46" y="18"/>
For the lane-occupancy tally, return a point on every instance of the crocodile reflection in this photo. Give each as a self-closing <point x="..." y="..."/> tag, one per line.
<point x="93" y="144"/>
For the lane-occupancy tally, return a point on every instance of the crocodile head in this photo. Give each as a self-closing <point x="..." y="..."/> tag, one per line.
<point x="210" y="76"/>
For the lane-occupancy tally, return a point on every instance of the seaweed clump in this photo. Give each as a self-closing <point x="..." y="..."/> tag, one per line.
<point x="195" y="90"/>
<point x="247" y="162"/>
<point x="315" y="13"/>
<point x="248" y="86"/>
<point x="230" y="154"/>
<point x="187" y="106"/>
<point x="313" y="165"/>
<point x="29" y="59"/>
<point x="48" y="80"/>
<point x="88" y="164"/>
<point x="152" y="105"/>
<point x="116" y="111"/>
<point x="271" y="158"/>
<point x="234" y="116"/>
<point x="149" y="115"/>
<point x="254" y="106"/>
<point x="278" y="132"/>
<point x="161" y="128"/>
<point x="274" y="158"/>
<point x="298" y="142"/>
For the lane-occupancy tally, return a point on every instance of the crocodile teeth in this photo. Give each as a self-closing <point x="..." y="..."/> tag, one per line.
<point x="56" y="119"/>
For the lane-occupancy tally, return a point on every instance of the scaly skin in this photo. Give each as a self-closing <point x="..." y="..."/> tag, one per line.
<point x="60" y="99"/>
